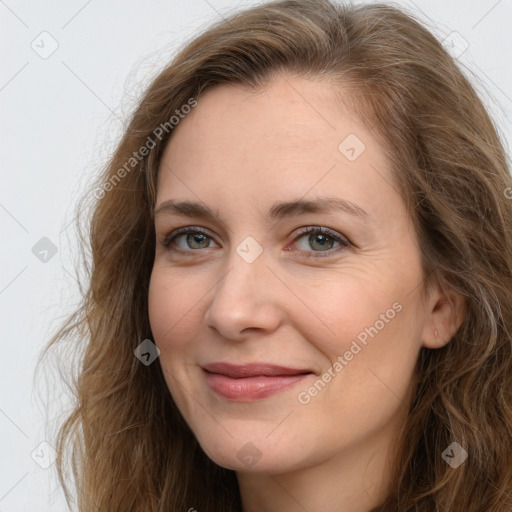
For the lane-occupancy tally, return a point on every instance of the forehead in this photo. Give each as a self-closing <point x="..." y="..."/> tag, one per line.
<point x="289" y="139"/>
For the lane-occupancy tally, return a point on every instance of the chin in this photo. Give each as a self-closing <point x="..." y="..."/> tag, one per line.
<point x="240" y="454"/>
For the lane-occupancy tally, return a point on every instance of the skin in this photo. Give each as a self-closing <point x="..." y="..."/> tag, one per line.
<point x="239" y="152"/>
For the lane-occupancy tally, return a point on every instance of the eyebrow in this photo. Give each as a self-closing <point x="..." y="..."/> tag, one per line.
<point x="278" y="211"/>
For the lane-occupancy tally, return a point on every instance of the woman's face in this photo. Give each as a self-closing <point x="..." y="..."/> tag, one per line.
<point x="254" y="289"/>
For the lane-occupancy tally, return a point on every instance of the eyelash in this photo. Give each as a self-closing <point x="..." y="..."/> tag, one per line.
<point x="344" y="242"/>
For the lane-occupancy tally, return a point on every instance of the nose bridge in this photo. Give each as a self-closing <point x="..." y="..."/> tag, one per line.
<point x="242" y="299"/>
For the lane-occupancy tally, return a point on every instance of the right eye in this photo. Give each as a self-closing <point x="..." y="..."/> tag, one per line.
<point x="195" y="238"/>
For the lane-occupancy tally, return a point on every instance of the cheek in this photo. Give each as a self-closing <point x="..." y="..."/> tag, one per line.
<point x="371" y="363"/>
<point x="175" y="316"/>
<point x="174" y="308"/>
<point x="369" y="346"/>
<point x="341" y="310"/>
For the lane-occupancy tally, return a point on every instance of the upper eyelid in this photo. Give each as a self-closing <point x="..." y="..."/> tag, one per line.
<point x="302" y="231"/>
<point x="186" y="229"/>
<point x="167" y="233"/>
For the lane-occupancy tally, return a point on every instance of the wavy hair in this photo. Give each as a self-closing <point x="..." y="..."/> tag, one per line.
<point x="127" y="444"/>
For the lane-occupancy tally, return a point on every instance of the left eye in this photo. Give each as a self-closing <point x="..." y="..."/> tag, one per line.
<point x="320" y="239"/>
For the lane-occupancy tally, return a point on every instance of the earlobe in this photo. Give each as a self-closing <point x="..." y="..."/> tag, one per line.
<point x="445" y="313"/>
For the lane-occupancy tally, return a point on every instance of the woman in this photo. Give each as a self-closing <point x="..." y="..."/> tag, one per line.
<point x="301" y="289"/>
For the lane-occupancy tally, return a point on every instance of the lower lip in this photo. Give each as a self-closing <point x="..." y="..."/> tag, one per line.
<point x="248" y="389"/>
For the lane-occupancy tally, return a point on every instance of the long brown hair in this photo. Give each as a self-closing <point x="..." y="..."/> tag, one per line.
<point x="126" y="443"/>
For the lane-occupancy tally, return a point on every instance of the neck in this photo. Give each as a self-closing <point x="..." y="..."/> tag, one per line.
<point x="353" y="480"/>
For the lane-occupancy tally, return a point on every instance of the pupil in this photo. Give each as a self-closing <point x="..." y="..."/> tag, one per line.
<point x="321" y="239"/>
<point x="196" y="236"/>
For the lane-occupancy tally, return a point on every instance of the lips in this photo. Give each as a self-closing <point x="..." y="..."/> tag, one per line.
<point x="245" y="383"/>
<point x="252" y="370"/>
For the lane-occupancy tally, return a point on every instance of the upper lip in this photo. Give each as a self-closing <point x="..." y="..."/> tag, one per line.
<point x="252" y="370"/>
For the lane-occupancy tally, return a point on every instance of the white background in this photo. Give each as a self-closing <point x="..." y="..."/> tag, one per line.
<point x="61" y="117"/>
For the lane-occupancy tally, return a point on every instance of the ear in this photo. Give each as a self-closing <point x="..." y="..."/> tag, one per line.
<point x="444" y="313"/>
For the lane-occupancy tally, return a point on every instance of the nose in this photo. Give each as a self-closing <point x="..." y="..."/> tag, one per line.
<point x="245" y="299"/>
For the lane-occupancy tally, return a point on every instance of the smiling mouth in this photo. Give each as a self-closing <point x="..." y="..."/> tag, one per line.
<point x="245" y="383"/>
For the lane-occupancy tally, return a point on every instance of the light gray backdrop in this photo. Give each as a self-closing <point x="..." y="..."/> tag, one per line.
<point x="70" y="75"/>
